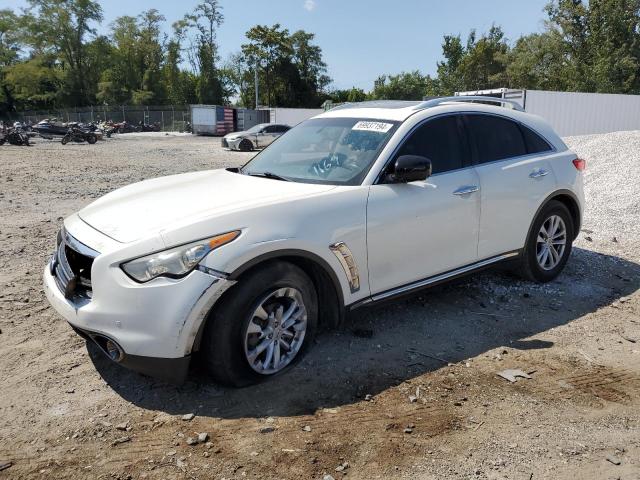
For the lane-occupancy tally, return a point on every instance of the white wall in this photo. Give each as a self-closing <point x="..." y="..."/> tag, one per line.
<point x="293" y="116"/>
<point x="572" y="113"/>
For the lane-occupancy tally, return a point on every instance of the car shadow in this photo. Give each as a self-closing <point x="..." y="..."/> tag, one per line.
<point x="380" y="347"/>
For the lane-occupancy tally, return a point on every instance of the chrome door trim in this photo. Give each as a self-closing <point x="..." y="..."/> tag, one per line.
<point x="437" y="278"/>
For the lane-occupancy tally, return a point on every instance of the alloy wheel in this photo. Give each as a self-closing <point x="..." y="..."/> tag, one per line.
<point x="275" y="332"/>
<point x="551" y="242"/>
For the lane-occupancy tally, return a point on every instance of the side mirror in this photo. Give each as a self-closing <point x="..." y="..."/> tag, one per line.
<point x="411" y="168"/>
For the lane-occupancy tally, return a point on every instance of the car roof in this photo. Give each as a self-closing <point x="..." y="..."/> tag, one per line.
<point x="399" y="111"/>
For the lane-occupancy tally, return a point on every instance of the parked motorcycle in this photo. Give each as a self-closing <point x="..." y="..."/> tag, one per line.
<point x="79" y="136"/>
<point x="15" y="136"/>
<point x="126" y="127"/>
<point x="146" y="127"/>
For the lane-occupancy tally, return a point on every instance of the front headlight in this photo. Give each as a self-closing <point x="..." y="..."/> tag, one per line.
<point x="175" y="262"/>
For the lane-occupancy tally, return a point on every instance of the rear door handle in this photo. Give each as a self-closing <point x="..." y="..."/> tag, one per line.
<point x="466" y="189"/>
<point x="541" y="172"/>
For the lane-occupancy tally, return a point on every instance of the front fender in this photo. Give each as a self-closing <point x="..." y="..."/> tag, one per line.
<point x="248" y="256"/>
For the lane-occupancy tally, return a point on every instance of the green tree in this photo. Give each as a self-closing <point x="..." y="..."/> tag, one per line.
<point x="59" y="28"/>
<point x="10" y="46"/>
<point x="205" y="21"/>
<point x="269" y="49"/>
<point x="404" y="86"/>
<point x="614" y="45"/>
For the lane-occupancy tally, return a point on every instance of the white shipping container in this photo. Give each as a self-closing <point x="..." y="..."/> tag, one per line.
<point x="293" y="116"/>
<point x="572" y="113"/>
<point x="575" y="113"/>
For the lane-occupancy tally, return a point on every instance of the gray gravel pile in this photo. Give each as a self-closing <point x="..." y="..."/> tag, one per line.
<point x="612" y="184"/>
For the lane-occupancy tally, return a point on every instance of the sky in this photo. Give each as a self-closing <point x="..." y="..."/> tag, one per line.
<point x="360" y="39"/>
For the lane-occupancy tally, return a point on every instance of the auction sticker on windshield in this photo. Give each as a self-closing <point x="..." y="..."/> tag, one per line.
<point x="381" y="127"/>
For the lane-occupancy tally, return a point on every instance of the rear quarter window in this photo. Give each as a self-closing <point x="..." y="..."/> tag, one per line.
<point x="534" y="142"/>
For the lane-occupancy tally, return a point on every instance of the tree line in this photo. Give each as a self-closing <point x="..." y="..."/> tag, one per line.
<point x="51" y="56"/>
<point x="584" y="46"/>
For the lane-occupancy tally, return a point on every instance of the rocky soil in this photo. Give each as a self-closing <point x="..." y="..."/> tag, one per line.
<point x="405" y="390"/>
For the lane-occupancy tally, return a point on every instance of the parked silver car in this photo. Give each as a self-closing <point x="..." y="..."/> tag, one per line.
<point x="258" y="136"/>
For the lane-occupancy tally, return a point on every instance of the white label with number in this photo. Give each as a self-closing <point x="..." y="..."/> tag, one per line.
<point x="381" y="127"/>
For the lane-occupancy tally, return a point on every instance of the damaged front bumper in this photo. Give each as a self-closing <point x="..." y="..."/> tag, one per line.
<point x="150" y="328"/>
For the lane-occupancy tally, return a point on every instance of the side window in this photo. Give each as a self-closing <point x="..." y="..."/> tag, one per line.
<point x="535" y="143"/>
<point x="283" y="128"/>
<point x="440" y="141"/>
<point x="496" y="138"/>
<point x="270" y="129"/>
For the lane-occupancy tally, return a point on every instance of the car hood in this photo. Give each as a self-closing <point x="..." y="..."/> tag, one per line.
<point x="237" y="134"/>
<point x="153" y="206"/>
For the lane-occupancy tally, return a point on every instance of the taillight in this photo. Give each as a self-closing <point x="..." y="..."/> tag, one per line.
<point x="580" y="164"/>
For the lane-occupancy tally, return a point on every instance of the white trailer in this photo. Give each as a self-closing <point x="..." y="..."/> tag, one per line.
<point x="293" y="116"/>
<point x="203" y="119"/>
<point x="574" y="113"/>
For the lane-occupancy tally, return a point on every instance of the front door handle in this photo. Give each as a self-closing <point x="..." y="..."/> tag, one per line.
<point x="541" y="172"/>
<point x="466" y="189"/>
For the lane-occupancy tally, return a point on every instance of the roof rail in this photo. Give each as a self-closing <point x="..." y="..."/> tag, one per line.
<point x="468" y="98"/>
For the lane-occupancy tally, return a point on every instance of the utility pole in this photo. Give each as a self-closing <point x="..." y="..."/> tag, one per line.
<point x="255" y="82"/>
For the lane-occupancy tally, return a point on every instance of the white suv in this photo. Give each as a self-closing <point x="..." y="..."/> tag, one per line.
<point x="360" y="204"/>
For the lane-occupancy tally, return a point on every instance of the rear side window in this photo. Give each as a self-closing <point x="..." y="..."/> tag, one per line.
<point x="496" y="138"/>
<point x="440" y="141"/>
<point x="281" y="128"/>
<point x="535" y="143"/>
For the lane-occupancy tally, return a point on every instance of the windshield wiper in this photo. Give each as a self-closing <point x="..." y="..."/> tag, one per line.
<point x="268" y="175"/>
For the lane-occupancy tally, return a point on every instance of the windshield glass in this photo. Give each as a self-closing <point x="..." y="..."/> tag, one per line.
<point x="336" y="151"/>
<point x="257" y="128"/>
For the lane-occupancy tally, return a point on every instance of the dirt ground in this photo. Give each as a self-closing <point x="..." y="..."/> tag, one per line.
<point x="404" y="390"/>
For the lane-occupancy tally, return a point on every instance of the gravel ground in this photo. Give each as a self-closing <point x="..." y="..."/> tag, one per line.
<point x="405" y="390"/>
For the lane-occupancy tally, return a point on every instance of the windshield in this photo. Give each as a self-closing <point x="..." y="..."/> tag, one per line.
<point x="257" y="128"/>
<point x="336" y="151"/>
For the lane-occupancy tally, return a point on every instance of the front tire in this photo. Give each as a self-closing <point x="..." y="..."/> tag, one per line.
<point x="64" y="140"/>
<point x="91" y="139"/>
<point x="245" y="145"/>
<point x="549" y="243"/>
<point x="262" y="326"/>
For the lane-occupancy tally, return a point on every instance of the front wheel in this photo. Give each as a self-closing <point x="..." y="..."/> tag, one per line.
<point x="549" y="243"/>
<point x="262" y="327"/>
<point x="91" y="139"/>
<point x="245" y="145"/>
<point x="65" y="140"/>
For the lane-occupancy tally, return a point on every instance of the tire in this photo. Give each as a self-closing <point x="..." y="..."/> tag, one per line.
<point x="226" y="340"/>
<point x="91" y="139"/>
<point x="550" y="266"/>
<point x="245" y="145"/>
<point x="2" y="140"/>
<point x="65" y="140"/>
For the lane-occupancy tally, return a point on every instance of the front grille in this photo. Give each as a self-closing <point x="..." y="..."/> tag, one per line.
<point x="225" y="144"/>
<point x="71" y="266"/>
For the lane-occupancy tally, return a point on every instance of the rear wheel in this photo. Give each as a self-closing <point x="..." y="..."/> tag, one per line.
<point x="262" y="327"/>
<point x="91" y="139"/>
<point x="549" y="244"/>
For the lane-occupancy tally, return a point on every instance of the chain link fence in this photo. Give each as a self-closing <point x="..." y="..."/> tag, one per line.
<point x="171" y="118"/>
